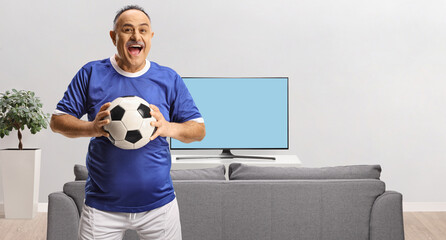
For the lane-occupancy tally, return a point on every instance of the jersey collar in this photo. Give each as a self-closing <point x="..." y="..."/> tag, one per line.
<point x="128" y="74"/>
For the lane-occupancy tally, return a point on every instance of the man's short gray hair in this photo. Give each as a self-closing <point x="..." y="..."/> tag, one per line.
<point x="126" y="8"/>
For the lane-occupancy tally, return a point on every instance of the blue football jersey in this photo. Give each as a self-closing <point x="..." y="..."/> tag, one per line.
<point x="128" y="180"/>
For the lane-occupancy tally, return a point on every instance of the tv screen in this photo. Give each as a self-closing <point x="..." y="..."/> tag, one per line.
<point x="240" y="113"/>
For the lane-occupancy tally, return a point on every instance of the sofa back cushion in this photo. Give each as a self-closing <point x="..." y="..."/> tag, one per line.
<point x="215" y="173"/>
<point x="277" y="209"/>
<point x="80" y="172"/>
<point x="238" y="171"/>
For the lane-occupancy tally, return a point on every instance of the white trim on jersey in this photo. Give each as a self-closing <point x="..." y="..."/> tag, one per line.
<point x="198" y="120"/>
<point x="58" y="112"/>
<point x="128" y="74"/>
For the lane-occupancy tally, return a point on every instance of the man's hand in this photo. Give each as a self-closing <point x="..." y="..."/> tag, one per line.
<point x="185" y="132"/>
<point x="73" y="127"/>
<point x="163" y="126"/>
<point x="99" y="122"/>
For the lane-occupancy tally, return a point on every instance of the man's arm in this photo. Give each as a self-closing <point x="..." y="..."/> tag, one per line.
<point x="73" y="127"/>
<point x="186" y="132"/>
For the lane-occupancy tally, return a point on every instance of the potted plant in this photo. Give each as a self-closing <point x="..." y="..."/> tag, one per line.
<point x="21" y="166"/>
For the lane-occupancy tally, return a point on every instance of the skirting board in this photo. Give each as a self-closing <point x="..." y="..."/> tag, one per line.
<point x="42" y="207"/>
<point x="424" y="206"/>
<point x="407" y="207"/>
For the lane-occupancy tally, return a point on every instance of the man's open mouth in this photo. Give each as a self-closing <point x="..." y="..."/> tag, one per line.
<point x="135" y="49"/>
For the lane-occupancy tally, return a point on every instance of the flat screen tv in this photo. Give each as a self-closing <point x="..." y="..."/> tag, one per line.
<point x="239" y="113"/>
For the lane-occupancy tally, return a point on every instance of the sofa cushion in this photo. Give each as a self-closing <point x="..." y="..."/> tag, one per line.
<point x="80" y="172"/>
<point x="238" y="171"/>
<point x="215" y="173"/>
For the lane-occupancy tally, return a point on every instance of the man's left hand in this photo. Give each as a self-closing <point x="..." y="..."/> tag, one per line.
<point x="186" y="132"/>
<point x="163" y="126"/>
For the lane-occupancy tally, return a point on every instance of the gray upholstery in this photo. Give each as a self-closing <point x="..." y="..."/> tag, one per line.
<point x="80" y="172"/>
<point x="386" y="220"/>
<point x="238" y="171"/>
<point x="215" y="173"/>
<point x="63" y="217"/>
<point x="315" y="209"/>
<point x="76" y="191"/>
<point x="289" y="209"/>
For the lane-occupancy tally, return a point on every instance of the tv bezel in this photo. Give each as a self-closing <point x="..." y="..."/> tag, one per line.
<point x="228" y="149"/>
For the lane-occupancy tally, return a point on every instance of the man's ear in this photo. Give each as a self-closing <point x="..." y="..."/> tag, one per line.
<point x="113" y="37"/>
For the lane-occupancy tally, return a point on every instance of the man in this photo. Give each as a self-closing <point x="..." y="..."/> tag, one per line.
<point x="129" y="189"/>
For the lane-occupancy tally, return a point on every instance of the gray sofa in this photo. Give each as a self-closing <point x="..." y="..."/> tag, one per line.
<point x="339" y="203"/>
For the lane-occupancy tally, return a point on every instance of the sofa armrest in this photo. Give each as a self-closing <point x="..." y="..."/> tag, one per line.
<point x="76" y="191"/>
<point x="63" y="217"/>
<point x="386" y="219"/>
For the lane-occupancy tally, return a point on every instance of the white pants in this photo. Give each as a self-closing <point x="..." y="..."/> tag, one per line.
<point x="158" y="224"/>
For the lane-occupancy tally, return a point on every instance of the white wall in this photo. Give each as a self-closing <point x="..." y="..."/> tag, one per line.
<point x="366" y="77"/>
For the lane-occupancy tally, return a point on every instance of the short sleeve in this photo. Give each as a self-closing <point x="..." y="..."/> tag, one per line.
<point x="74" y="101"/>
<point x="183" y="108"/>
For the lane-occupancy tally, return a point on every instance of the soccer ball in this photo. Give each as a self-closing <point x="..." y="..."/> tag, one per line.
<point x="130" y="119"/>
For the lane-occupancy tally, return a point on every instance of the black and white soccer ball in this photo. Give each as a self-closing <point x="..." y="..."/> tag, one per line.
<point x="130" y="119"/>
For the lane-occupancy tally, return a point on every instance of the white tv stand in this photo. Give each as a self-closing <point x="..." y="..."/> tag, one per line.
<point x="202" y="162"/>
<point x="226" y="154"/>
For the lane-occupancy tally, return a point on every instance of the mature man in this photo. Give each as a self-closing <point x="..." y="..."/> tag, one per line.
<point x="129" y="189"/>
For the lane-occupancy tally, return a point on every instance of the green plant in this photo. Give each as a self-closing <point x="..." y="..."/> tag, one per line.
<point x="19" y="109"/>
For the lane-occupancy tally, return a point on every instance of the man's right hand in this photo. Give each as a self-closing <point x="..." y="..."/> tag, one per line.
<point x="99" y="122"/>
<point x="73" y="127"/>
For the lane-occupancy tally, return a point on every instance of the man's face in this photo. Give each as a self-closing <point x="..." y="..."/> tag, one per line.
<point x="132" y="37"/>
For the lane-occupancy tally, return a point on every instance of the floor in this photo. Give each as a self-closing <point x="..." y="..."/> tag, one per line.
<point x="417" y="226"/>
<point x="23" y="229"/>
<point x="425" y="225"/>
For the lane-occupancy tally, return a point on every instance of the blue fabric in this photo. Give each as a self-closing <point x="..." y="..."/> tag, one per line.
<point x="128" y="180"/>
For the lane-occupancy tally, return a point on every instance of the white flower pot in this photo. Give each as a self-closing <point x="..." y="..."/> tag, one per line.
<point x="21" y="177"/>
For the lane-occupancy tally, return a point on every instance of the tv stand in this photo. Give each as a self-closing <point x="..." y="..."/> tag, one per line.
<point x="225" y="154"/>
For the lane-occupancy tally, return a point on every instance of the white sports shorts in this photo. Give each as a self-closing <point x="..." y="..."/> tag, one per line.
<point x="158" y="224"/>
